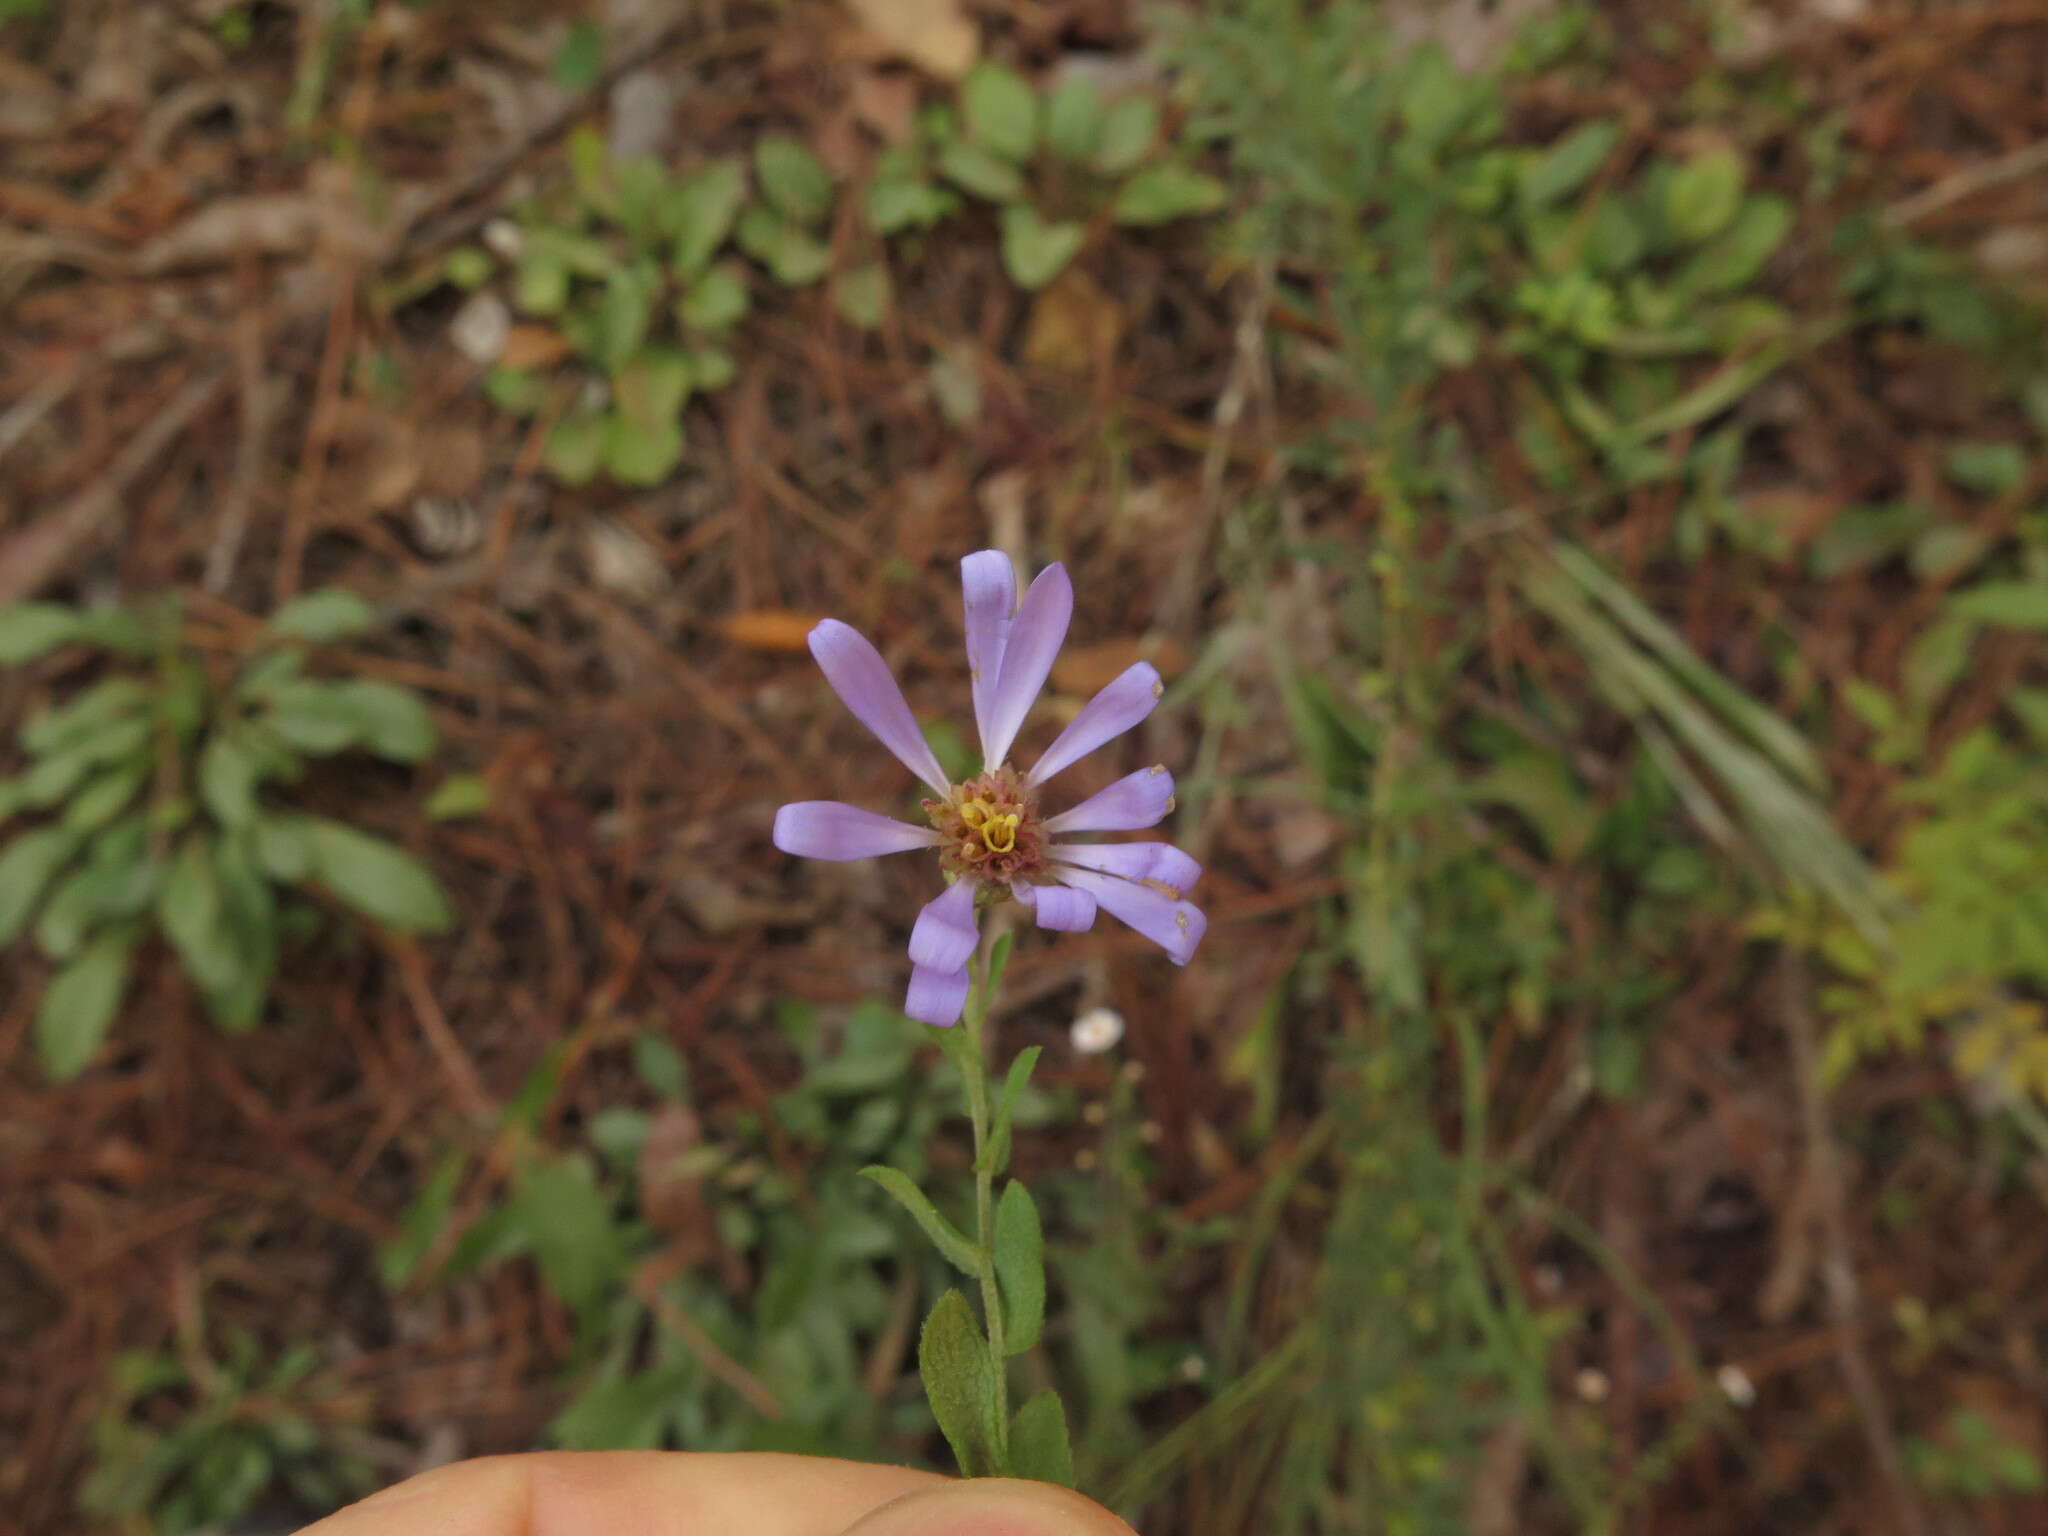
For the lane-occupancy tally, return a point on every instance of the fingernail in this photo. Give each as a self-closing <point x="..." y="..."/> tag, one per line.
<point x="992" y="1506"/>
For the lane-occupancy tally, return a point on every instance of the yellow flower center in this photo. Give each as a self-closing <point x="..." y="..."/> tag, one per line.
<point x="998" y="832"/>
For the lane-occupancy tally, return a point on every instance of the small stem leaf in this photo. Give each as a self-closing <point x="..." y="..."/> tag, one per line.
<point x="1038" y="1442"/>
<point x="960" y="1383"/>
<point x="945" y="1236"/>
<point x="1014" y="1082"/>
<point x="1020" y="1268"/>
<point x="998" y="962"/>
<point x="80" y="1004"/>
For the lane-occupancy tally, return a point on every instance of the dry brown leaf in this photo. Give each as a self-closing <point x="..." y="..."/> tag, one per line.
<point x="533" y="346"/>
<point x="1074" y="325"/>
<point x="935" y="35"/>
<point x="1085" y="669"/>
<point x="781" y="631"/>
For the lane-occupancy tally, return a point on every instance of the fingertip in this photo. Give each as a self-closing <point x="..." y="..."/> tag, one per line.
<point x="991" y="1506"/>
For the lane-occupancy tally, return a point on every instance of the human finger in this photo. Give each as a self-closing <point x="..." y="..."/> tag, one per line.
<point x="990" y="1506"/>
<point x="645" y="1493"/>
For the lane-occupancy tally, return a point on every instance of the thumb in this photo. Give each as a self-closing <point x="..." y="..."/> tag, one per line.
<point x="990" y="1506"/>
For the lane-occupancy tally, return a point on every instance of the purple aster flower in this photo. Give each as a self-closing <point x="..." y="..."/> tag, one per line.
<point x="993" y="842"/>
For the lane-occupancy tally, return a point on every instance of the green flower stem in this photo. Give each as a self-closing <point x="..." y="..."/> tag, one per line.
<point x="974" y="1021"/>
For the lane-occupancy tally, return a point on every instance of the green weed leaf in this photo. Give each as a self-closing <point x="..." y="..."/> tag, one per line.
<point x="329" y="614"/>
<point x="701" y="212"/>
<point x="1161" y="193"/>
<point x="1001" y="110"/>
<point x="1074" y="118"/>
<point x="282" y="849"/>
<point x="1703" y="194"/>
<point x="460" y="794"/>
<point x="568" y="1221"/>
<point x="307" y="716"/>
<point x="1739" y="252"/>
<point x="1129" y="130"/>
<point x="423" y="1220"/>
<point x="104" y="702"/>
<point x="642" y="453"/>
<point x="2014" y="604"/>
<point x="579" y="61"/>
<point x="944" y="1235"/>
<point x="960" y="1383"/>
<point x="386" y="719"/>
<point x="793" y="179"/>
<point x="716" y="302"/>
<point x="862" y="295"/>
<point x="377" y="878"/>
<point x="27" y="630"/>
<point x="1996" y="469"/>
<point x="29" y="863"/>
<point x="79" y="1005"/>
<point x="1020" y="1268"/>
<point x="227" y="781"/>
<point x="1039" y="1448"/>
<point x="1562" y="169"/>
<point x="1035" y="251"/>
<point x="794" y="258"/>
<point x="901" y="198"/>
<point x="188" y="910"/>
<point x="979" y="170"/>
<point x="576" y="447"/>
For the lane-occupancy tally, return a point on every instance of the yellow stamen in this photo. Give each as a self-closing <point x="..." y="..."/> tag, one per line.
<point x="1000" y="833"/>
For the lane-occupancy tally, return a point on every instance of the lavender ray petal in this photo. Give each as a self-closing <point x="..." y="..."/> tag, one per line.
<point x="1059" y="907"/>
<point x="860" y="677"/>
<point x="1175" y="926"/>
<point x="1134" y="861"/>
<point x="1134" y="801"/>
<point x="832" y="829"/>
<point x="944" y="936"/>
<point x="988" y="592"/>
<point x="1034" y="640"/>
<point x="936" y="997"/>
<point x="1118" y="707"/>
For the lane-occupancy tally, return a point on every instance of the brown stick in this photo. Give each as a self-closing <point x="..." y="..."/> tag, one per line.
<point x="1824" y="1171"/>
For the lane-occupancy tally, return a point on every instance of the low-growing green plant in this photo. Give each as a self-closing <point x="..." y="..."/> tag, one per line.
<point x="636" y="266"/>
<point x="681" y="1354"/>
<point x="154" y="797"/>
<point x="1973" y="1459"/>
<point x="193" y="1452"/>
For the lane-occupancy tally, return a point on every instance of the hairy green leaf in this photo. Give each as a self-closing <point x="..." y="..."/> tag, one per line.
<point x="1039" y="1448"/>
<point x="960" y="1383"/>
<point x="793" y="179"/>
<point x="1020" y="1268"/>
<point x="1001" y="109"/>
<point x="958" y="1251"/>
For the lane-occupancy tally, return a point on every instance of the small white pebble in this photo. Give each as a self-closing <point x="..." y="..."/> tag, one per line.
<point x="1193" y="1368"/>
<point x="1591" y="1384"/>
<point x="480" y="327"/>
<point x="504" y="239"/>
<point x="1736" y="1385"/>
<point x="1097" y="1030"/>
